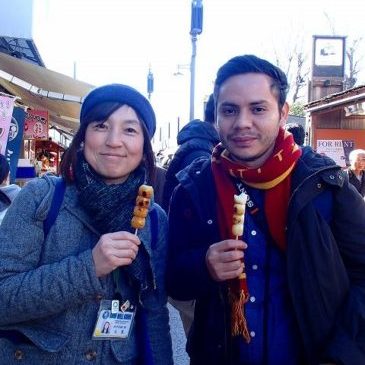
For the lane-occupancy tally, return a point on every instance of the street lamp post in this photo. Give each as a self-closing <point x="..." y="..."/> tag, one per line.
<point x="150" y="82"/>
<point x="195" y="29"/>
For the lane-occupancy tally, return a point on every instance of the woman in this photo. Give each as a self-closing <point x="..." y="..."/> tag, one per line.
<point x="91" y="257"/>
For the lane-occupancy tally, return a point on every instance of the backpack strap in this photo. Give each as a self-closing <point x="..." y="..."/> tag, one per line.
<point x="59" y="192"/>
<point x="154" y="228"/>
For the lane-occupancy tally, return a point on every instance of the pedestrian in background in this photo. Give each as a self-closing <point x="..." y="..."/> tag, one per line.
<point x="291" y="289"/>
<point x="297" y="131"/>
<point x="356" y="170"/>
<point x="91" y="261"/>
<point x="196" y="140"/>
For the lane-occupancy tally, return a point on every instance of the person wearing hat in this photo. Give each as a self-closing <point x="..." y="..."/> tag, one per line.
<point x="58" y="288"/>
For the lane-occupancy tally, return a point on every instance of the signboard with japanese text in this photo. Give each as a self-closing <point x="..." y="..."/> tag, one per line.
<point x="36" y="124"/>
<point x="6" y="111"/>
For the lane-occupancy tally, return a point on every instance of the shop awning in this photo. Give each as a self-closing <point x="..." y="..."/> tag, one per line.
<point x="41" y="88"/>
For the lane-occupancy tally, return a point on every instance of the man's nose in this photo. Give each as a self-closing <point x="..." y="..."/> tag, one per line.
<point x="243" y="119"/>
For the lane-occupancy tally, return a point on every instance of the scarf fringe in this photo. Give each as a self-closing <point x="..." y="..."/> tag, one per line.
<point x="238" y="320"/>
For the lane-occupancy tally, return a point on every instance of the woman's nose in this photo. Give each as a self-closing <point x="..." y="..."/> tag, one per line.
<point x="114" y="139"/>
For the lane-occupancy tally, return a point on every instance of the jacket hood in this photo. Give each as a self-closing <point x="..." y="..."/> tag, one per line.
<point x="317" y="161"/>
<point x="11" y="190"/>
<point x="198" y="129"/>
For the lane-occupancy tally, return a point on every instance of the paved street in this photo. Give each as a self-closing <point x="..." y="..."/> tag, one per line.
<point x="178" y="337"/>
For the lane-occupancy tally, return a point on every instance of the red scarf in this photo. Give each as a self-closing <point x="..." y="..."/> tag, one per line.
<point x="273" y="177"/>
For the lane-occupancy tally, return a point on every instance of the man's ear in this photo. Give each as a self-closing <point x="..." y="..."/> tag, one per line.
<point x="284" y="114"/>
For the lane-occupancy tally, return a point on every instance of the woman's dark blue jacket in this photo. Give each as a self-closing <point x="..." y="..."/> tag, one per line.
<point x="325" y="262"/>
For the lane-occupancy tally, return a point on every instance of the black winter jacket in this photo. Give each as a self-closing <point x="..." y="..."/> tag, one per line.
<point x="325" y="263"/>
<point x="196" y="140"/>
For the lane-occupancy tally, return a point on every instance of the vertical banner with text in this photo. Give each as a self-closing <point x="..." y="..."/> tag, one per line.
<point x="15" y="141"/>
<point x="36" y="124"/>
<point x="6" y="111"/>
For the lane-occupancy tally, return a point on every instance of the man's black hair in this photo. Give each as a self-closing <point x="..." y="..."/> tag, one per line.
<point x="252" y="64"/>
<point x="209" y="110"/>
<point x="297" y="131"/>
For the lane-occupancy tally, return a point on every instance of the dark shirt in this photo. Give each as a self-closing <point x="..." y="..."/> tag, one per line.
<point x="359" y="184"/>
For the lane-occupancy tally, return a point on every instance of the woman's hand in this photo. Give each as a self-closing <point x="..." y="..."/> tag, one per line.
<point x="114" y="250"/>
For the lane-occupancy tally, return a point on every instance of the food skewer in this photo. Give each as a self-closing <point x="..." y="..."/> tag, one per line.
<point x="239" y="209"/>
<point x="143" y="201"/>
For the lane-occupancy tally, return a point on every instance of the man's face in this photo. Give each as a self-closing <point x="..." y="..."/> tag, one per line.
<point x="360" y="162"/>
<point x="248" y="117"/>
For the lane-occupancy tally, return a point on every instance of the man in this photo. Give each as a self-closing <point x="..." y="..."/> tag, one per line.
<point x="356" y="170"/>
<point x="195" y="140"/>
<point x="291" y="289"/>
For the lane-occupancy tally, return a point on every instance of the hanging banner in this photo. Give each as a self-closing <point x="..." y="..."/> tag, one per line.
<point x="6" y="111"/>
<point x="15" y="141"/>
<point x="36" y="124"/>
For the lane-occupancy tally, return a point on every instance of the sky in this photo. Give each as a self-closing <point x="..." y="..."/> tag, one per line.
<point x="118" y="40"/>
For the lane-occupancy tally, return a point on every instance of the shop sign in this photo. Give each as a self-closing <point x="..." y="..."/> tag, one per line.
<point x="336" y="149"/>
<point x="6" y="111"/>
<point x="36" y="124"/>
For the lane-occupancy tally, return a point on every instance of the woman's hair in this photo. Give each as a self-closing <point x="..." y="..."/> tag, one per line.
<point x="102" y="112"/>
<point x="4" y="169"/>
<point x="4" y="198"/>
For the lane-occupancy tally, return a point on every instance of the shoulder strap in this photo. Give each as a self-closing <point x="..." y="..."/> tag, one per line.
<point x="154" y="228"/>
<point x="57" y="199"/>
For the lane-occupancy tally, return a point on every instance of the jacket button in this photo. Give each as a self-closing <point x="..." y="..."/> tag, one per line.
<point x="319" y="185"/>
<point x="18" y="354"/>
<point x="332" y="177"/>
<point x="90" y="355"/>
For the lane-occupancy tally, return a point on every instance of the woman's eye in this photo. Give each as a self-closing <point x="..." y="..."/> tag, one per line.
<point x="130" y="130"/>
<point x="100" y="125"/>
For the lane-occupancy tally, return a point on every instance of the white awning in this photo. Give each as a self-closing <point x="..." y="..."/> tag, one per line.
<point x="41" y="88"/>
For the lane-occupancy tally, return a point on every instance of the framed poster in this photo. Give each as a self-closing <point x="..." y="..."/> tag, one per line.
<point x="328" y="56"/>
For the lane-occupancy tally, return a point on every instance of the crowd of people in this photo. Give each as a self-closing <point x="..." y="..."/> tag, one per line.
<point x="78" y="283"/>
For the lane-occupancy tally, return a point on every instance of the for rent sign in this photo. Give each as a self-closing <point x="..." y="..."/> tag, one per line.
<point x="336" y="149"/>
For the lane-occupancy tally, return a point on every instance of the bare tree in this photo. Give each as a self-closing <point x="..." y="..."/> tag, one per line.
<point x="352" y="56"/>
<point x="296" y="68"/>
<point x="354" y="63"/>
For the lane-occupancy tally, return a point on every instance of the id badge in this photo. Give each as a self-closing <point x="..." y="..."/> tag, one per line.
<point x="114" y="320"/>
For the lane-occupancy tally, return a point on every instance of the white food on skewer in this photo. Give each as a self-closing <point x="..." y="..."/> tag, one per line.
<point x="239" y="214"/>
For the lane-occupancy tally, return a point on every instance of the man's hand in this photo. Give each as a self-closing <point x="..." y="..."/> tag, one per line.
<point x="224" y="259"/>
<point x="114" y="250"/>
